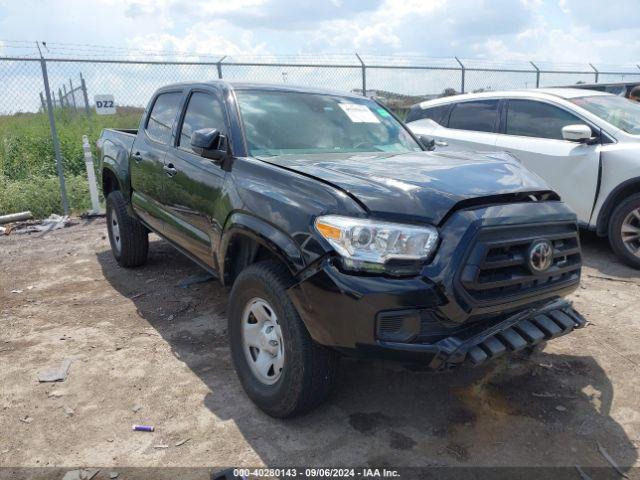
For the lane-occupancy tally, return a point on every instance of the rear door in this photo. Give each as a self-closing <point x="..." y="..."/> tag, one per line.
<point x="193" y="191"/>
<point x="532" y="132"/>
<point x="147" y="158"/>
<point x="470" y="125"/>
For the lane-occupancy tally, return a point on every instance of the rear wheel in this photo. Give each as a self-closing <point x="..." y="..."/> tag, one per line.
<point x="129" y="239"/>
<point x="281" y="368"/>
<point x="624" y="230"/>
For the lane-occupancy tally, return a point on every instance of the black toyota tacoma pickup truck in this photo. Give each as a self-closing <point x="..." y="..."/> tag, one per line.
<point x="338" y="232"/>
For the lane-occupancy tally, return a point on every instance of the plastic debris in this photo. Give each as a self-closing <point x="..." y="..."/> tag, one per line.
<point x="15" y="217"/>
<point x="26" y="419"/>
<point x="161" y="446"/>
<point x="68" y="411"/>
<point x="17" y="291"/>
<point x="56" y="374"/>
<point x="136" y="408"/>
<point x="182" y="442"/>
<point x="113" y="475"/>
<point x="194" y="279"/>
<point x="143" y="428"/>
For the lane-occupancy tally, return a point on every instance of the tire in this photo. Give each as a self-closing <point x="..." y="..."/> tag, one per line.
<point x="626" y="215"/>
<point x="308" y="369"/>
<point x="129" y="239"/>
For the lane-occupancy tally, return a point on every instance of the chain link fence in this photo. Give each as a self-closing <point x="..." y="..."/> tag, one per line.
<point x="31" y="123"/>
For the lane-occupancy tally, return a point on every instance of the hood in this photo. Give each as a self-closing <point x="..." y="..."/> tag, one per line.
<point x="424" y="185"/>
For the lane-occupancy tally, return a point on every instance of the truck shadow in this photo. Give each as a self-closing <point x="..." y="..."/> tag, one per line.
<point x="547" y="410"/>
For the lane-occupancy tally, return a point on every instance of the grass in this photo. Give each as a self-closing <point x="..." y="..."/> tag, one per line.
<point x="28" y="176"/>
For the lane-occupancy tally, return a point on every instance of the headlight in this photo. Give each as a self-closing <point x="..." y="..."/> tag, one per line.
<point x="369" y="244"/>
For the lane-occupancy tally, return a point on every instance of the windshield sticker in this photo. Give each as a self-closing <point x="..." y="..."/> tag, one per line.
<point x="383" y="113"/>
<point x="358" y="113"/>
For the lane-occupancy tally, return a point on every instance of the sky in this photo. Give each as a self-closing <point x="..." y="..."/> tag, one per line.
<point x="560" y="31"/>
<point x="567" y="34"/>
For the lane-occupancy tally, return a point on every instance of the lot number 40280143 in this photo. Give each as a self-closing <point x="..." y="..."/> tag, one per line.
<point x="105" y="104"/>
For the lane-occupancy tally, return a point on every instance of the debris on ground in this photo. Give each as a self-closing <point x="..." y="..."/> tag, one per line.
<point x="17" y="291"/>
<point x="113" y="475"/>
<point x="608" y="458"/>
<point x="161" y="446"/>
<point x="81" y="474"/>
<point x="53" y="222"/>
<point x="136" y="408"/>
<point x="143" y="428"/>
<point x="55" y="374"/>
<point x="15" y="217"/>
<point x="182" y="442"/>
<point x="26" y="419"/>
<point x="195" y="279"/>
<point x="68" y="411"/>
<point x="561" y="408"/>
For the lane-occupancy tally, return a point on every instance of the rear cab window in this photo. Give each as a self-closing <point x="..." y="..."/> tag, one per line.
<point x="475" y="115"/>
<point x="163" y="115"/>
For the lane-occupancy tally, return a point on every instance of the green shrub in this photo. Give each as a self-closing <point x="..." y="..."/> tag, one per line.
<point x="28" y="175"/>
<point x="41" y="195"/>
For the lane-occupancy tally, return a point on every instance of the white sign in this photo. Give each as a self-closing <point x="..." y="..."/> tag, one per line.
<point x="358" y="113"/>
<point x="105" y="105"/>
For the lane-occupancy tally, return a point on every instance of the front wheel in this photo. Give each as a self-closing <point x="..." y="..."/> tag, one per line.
<point x="129" y="239"/>
<point x="281" y="368"/>
<point x="624" y="230"/>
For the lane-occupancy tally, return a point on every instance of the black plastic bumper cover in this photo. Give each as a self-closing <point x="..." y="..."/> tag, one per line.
<point x="515" y="333"/>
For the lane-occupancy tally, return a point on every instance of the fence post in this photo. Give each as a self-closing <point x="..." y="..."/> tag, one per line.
<point x="73" y="95"/>
<point x="595" y="70"/>
<point x="364" y="76"/>
<point x="60" y="98"/>
<point x="219" y="65"/>
<point x="54" y="137"/>
<point x="462" y="74"/>
<point x="537" y="74"/>
<point x="44" y="107"/>
<point x="83" y="85"/>
<point x="91" y="176"/>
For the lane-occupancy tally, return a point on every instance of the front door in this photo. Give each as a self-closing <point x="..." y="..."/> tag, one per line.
<point x="533" y="134"/>
<point x="193" y="191"/>
<point x="147" y="158"/>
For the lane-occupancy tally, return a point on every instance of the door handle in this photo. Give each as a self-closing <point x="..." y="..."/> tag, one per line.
<point x="170" y="170"/>
<point x="137" y="157"/>
<point x="440" y="143"/>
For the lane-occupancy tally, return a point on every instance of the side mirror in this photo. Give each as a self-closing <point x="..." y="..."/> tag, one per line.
<point x="209" y="143"/>
<point x="428" y="143"/>
<point x="577" y="133"/>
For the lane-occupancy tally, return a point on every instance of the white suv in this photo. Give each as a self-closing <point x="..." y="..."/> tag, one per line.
<point x="585" y="144"/>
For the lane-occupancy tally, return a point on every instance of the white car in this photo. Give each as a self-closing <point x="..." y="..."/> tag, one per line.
<point x="585" y="144"/>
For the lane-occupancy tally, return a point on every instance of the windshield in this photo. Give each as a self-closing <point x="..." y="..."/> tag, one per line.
<point x="619" y="112"/>
<point x="278" y="123"/>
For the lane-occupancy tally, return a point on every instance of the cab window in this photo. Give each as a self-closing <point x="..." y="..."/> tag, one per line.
<point x="203" y="111"/>
<point x="529" y="118"/>
<point x="477" y="115"/>
<point x="162" y="116"/>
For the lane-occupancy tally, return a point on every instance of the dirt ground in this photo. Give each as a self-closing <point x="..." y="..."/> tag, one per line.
<point x="145" y="350"/>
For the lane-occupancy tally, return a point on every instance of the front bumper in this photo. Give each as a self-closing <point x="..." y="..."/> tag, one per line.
<point x="489" y="340"/>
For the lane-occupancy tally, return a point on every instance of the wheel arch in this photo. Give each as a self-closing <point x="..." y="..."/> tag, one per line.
<point x="247" y="239"/>
<point x="618" y="194"/>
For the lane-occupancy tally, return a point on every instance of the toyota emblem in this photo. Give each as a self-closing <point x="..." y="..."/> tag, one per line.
<point x="540" y="256"/>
